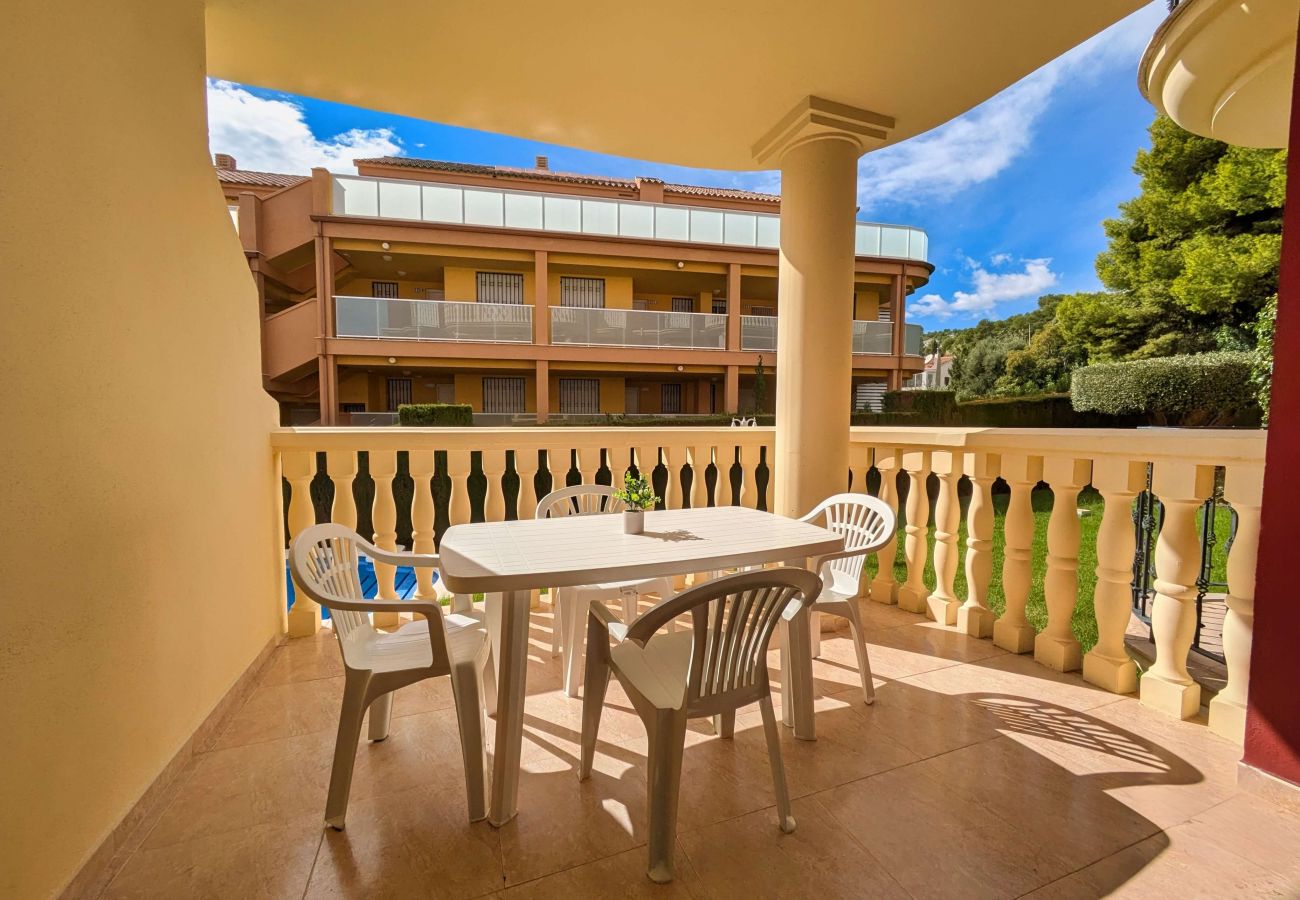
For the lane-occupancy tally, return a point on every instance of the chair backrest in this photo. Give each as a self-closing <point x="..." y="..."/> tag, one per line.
<point x="865" y="522"/>
<point x="733" y="617"/>
<point x="579" y="500"/>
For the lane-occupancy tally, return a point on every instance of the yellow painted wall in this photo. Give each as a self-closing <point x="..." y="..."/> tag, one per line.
<point x="140" y="551"/>
<point x="406" y="289"/>
<point x="866" y="305"/>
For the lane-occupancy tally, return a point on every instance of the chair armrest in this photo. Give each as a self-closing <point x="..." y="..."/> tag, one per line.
<point x="816" y="562"/>
<point x="423" y="607"/>
<point x="604" y="615"/>
<point x="402" y="558"/>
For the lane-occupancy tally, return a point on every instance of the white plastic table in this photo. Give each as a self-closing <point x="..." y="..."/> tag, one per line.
<point x="514" y="558"/>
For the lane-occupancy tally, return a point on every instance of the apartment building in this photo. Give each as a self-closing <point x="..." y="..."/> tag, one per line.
<point x="531" y="294"/>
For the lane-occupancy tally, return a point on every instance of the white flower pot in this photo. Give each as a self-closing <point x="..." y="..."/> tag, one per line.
<point x="633" y="521"/>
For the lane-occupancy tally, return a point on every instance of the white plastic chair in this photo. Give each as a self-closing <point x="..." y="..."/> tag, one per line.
<point x="571" y="603"/>
<point x="324" y="563"/>
<point x="711" y="670"/>
<point x="867" y="524"/>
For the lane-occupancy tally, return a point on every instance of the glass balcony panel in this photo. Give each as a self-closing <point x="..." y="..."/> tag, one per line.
<point x="672" y="224"/>
<point x="399" y="200"/>
<point x="768" y="232"/>
<point x="919" y="245"/>
<point x="484" y="208"/>
<point x="442" y="204"/>
<point x="356" y="196"/>
<point x="912" y="340"/>
<point x="873" y="337"/>
<point x="433" y="320"/>
<point x="637" y="328"/>
<point x="563" y="214"/>
<point x="867" y="240"/>
<point x="706" y="226"/>
<point x="740" y="229"/>
<point x="758" y="332"/>
<point x="893" y="241"/>
<point x="524" y="211"/>
<point x="636" y="220"/>
<point x="599" y="217"/>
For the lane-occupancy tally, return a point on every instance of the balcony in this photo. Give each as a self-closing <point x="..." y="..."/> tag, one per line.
<point x="432" y="320"/>
<point x="759" y="333"/>
<point x="449" y="204"/>
<point x="584" y="327"/>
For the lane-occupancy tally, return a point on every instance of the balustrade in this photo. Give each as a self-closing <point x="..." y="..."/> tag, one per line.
<point x="456" y="473"/>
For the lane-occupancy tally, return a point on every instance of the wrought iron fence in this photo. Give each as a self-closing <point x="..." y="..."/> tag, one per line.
<point x="1148" y="518"/>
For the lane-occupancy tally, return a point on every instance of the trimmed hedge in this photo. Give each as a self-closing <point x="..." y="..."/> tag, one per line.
<point x="937" y="407"/>
<point x="1200" y="389"/>
<point x="435" y="414"/>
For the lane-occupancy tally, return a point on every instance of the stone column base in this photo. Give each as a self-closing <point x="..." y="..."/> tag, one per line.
<point x="884" y="592"/>
<point x="304" y="619"/>
<point x="1061" y="654"/>
<point x="1170" y="697"/>
<point x="942" y="610"/>
<point x="911" y="600"/>
<point x="1119" y="676"/>
<point x="975" y="621"/>
<point x="1228" y="719"/>
<point x="1014" y="638"/>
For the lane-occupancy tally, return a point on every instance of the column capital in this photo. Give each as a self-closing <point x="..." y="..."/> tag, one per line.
<point x="814" y="118"/>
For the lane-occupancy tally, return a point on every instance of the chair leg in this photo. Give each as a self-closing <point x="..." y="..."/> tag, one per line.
<point x="492" y="619"/>
<point x="784" y="815"/>
<point x="787" y="688"/>
<point x="593" y="698"/>
<point x="667" y="734"/>
<point x="631" y="603"/>
<point x="487" y="674"/>
<point x="345" y="748"/>
<point x="557" y="617"/>
<point x="860" y="647"/>
<point x="815" y="628"/>
<point x="575" y="614"/>
<point x="381" y="711"/>
<point x="724" y="724"/>
<point x="473" y="749"/>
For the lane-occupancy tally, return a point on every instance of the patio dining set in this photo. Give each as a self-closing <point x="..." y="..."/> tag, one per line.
<point x="698" y="653"/>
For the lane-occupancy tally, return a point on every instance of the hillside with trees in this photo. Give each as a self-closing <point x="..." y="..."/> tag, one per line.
<point x="1191" y="267"/>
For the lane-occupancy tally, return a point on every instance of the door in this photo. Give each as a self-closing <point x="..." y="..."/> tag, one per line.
<point x="580" y="396"/>
<point x="670" y="398"/>
<point x="399" y="392"/>
<point x="631" y="399"/>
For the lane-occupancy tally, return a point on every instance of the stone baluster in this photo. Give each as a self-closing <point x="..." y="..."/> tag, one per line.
<point x="558" y="462"/>
<point x="589" y="466"/>
<point x="494" y="468"/>
<point x="701" y="457"/>
<point x="673" y="487"/>
<point x="1182" y="487"/>
<point x="1012" y="630"/>
<point x="750" y="455"/>
<point x="459" y="508"/>
<point x="1056" y="646"/>
<point x="342" y="466"/>
<point x="884" y="587"/>
<point x="942" y="603"/>
<point x="769" y="450"/>
<point x="383" y="514"/>
<point x="974" y="616"/>
<point x="526" y="465"/>
<point x="647" y="459"/>
<point x="420" y="466"/>
<point x="912" y="594"/>
<point x="1107" y="664"/>
<point x="299" y="467"/>
<point x="1243" y="487"/>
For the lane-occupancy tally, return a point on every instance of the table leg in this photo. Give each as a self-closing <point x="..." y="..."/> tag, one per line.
<point x="799" y="680"/>
<point x="512" y="668"/>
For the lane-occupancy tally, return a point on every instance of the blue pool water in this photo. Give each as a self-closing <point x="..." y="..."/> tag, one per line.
<point x="369" y="587"/>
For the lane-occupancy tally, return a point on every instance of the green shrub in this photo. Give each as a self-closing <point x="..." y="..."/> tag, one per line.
<point x="435" y="414"/>
<point x="1199" y="389"/>
<point x="938" y="407"/>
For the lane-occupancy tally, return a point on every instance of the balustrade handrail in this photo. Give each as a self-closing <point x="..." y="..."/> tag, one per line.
<point x="616" y="327"/>
<point x="432" y="320"/>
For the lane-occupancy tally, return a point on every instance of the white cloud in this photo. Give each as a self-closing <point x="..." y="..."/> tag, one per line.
<point x="988" y="288"/>
<point x="982" y="143"/>
<point x="272" y="135"/>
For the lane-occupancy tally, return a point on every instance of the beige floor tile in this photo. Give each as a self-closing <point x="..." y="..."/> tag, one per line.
<point x="622" y="875"/>
<point x="1008" y="676"/>
<point x="926" y="722"/>
<point x="750" y="857"/>
<point x="1255" y="830"/>
<point x="304" y="659"/>
<point x="284" y="710"/>
<point x="266" y="861"/>
<point x="414" y="844"/>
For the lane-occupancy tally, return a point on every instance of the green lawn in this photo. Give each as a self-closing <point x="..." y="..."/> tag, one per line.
<point x="1085" y="626"/>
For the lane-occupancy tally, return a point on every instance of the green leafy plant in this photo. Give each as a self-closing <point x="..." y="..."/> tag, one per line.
<point x="459" y="415"/>
<point x="1200" y="389"/>
<point x="637" y="492"/>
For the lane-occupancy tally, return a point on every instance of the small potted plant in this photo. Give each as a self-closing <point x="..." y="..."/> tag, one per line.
<point x="637" y="495"/>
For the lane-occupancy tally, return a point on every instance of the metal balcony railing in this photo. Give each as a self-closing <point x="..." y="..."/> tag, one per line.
<point x="638" y="328"/>
<point x="433" y="320"/>
<point x="759" y="333"/>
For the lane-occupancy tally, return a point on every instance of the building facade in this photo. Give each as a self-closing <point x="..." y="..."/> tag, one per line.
<point x="532" y="294"/>
<point x="937" y="374"/>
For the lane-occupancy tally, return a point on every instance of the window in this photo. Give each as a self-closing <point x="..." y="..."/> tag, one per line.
<point x="641" y="304"/>
<point x="352" y="407"/>
<point x="762" y="310"/>
<point x="399" y="392"/>
<point x="580" y="395"/>
<point x="587" y="292"/>
<point x="499" y="287"/>
<point x="719" y="306"/>
<point x="670" y="398"/>
<point x="503" y="395"/>
<point x="386" y="290"/>
<point x="683" y="304"/>
<point x="883" y="313"/>
<point x="434" y="294"/>
<point x="869" y="396"/>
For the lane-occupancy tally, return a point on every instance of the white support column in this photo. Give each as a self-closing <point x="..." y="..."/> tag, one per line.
<point x="916" y="546"/>
<point x="942" y="603"/>
<point x="1243" y="487"/>
<point x="1012" y="631"/>
<point x="974" y="617"/>
<point x="1107" y="664"/>
<point x="1056" y="646"/>
<point x="884" y="587"/>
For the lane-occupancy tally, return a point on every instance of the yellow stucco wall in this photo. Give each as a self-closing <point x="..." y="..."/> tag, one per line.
<point x="140" y="551"/>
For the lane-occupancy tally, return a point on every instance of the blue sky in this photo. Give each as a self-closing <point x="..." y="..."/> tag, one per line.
<point x="1012" y="193"/>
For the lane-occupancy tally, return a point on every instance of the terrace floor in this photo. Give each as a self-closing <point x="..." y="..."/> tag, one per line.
<point x="976" y="774"/>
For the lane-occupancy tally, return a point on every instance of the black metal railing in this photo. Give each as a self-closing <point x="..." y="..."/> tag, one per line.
<point x="1148" y="519"/>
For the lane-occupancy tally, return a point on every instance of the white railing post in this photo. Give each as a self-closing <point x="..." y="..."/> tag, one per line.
<point x="884" y="587"/>
<point x="342" y="465"/>
<point x="1182" y="487"/>
<point x="1012" y="631"/>
<point x="420" y="467"/>
<point x="913" y="593"/>
<point x="1056" y="646"/>
<point x="701" y="457"/>
<point x="299" y="468"/>
<point x="494" y="469"/>
<point x="942" y="603"/>
<point x="1107" y="664"/>
<point x="458" y="505"/>
<point x="1243" y="488"/>
<point x="526" y="465"/>
<point x="383" y="514"/>
<point x="974" y="616"/>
